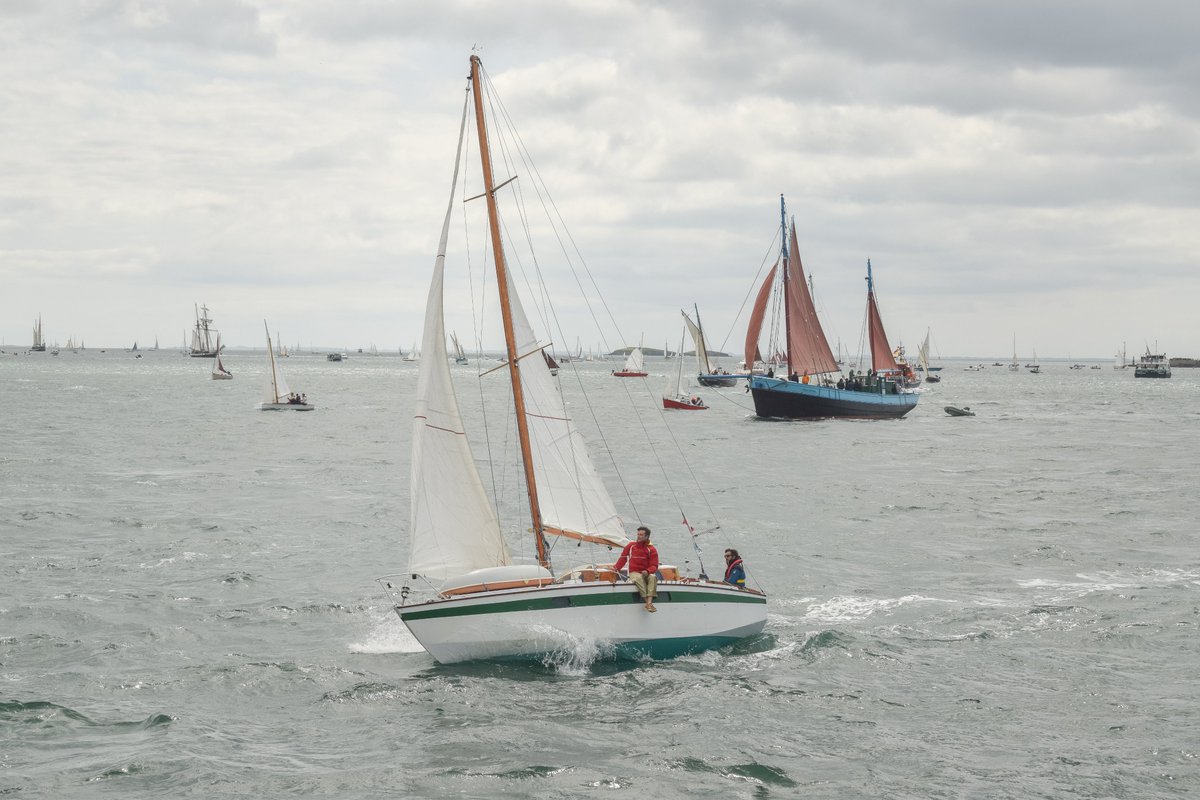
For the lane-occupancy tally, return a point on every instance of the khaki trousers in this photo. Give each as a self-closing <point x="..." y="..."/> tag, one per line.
<point x="646" y="583"/>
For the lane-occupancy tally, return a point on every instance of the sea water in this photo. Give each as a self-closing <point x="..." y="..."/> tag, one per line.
<point x="998" y="606"/>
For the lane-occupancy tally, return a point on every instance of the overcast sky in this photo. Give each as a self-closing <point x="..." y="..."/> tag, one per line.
<point x="1025" y="167"/>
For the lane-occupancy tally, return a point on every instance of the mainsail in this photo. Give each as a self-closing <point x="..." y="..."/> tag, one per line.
<point x="276" y="388"/>
<point x="808" y="349"/>
<point x="882" y="359"/>
<point x="574" y="501"/>
<point x="701" y="345"/>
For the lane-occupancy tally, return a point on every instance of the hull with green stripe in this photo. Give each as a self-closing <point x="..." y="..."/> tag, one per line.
<point x="536" y="622"/>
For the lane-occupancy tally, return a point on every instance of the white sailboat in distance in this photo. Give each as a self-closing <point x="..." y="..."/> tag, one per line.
<point x="219" y="373"/>
<point x="277" y="396"/>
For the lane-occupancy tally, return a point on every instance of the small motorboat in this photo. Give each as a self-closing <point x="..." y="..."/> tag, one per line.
<point x="955" y="411"/>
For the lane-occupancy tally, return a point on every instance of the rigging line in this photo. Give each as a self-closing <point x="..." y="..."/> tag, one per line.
<point x="753" y="285"/>
<point x="504" y="132"/>
<point x="540" y="187"/>
<point x="546" y="308"/>
<point x="543" y="194"/>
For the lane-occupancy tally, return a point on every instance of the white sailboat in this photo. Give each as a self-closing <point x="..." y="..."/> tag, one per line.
<point x="635" y="365"/>
<point x="219" y="373"/>
<point x="1034" y="366"/>
<point x="707" y="373"/>
<point x="923" y="354"/>
<point x="413" y="354"/>
<point x="485" y="605"/>
<point x="1015" y="364"/>
<point x="676" y="397"/>
<point x="277" y="396"/>
<point x="460" y="355"/>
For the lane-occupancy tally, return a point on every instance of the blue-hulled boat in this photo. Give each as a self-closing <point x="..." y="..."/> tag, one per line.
<point x="815" y="388"/>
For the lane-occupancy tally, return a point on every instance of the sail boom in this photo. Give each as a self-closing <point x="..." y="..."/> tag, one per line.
<point x="608" y="540"/>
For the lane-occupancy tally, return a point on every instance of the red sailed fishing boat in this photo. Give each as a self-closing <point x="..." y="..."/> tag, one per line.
<point x="821" y="392"/>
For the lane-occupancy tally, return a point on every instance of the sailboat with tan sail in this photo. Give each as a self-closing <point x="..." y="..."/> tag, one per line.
<point x="478" y="601"/>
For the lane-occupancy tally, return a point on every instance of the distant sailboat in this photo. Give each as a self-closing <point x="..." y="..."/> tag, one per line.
<point x="634" y="365"/>
<point x="1119" y="360"/>
<point x="203" y="335"/>
<point x="1034" y="366"/>
<point x="277" y="396"/>
<point x="676" y="397"/>
<point x="923" y="354"/>
<point x="707" y="373"/>
<point x="1015" y="364"/>
<point x="412" y="355"/>
<point x="219" y="373"/>
<point x="460" y="355"/>
<point x="39" y="343"/>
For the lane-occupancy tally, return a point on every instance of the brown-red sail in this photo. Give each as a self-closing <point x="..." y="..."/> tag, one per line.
<point x="756" y="319"/>
<point x="881" y="352"/>
<point x="808" y="349"/>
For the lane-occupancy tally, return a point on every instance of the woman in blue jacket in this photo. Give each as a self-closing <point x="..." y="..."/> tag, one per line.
<point x="735" y="572"/>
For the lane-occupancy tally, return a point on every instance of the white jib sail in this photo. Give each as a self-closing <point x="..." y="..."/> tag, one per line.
<point x="635" y="361"/>
<point x="452" y="526"/>
<point x="701" y="347"/>
<point x="571" y="494"/>
<point x="276" y="389"/>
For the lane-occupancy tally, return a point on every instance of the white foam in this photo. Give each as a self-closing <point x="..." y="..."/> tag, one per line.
<point x="387" y="634"/>
<point x="853" y="609"/>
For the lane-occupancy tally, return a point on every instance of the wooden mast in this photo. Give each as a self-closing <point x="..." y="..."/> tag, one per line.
<point x="514" y="369"/>
<point x="787" y="284"/>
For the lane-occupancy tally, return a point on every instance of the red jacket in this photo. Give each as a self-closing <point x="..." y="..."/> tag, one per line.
<point x="641" y="557"/>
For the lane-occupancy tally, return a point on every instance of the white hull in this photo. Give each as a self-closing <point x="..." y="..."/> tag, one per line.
<point x="536" y="622"/>
<point x="217" y="376"/>
<point x="285" y="407"/>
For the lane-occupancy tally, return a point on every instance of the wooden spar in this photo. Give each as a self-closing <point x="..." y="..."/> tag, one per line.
<point x="510" y="343"/>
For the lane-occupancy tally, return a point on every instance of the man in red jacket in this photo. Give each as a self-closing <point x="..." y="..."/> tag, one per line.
<point x="643" y="566"/>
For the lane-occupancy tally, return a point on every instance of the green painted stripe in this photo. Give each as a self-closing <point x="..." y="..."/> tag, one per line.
<point x="583" y="600"/>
